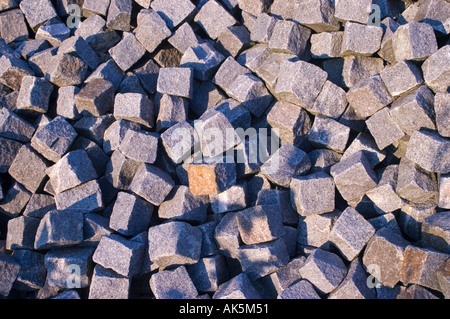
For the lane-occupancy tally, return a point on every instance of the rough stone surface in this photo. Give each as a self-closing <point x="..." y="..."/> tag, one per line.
<point x="214" y="26"/>
<point x="414" y="41"/>
<point x="173" y="284"/>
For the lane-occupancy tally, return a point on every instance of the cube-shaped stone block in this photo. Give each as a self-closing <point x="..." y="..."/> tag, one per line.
<point x="34" y="95"/>
<point x="174" y="243"/>
<point x="96" y="98"/>
<point x="238" y="287"/>
<point x="174" y="12"/>
<point x="313" y="230"/>
<point x="214" y="19"/>
<point x="107" y="284"/>
<point x="262" y="28"/>
<point x="233" y="40"/>
<point x="368" y="96"/>
<point x="37" y="12"/>
<point x="391" y="246"/>
<point x="414" y="41"/>
<point x="289" y="37"/>
<point x="442" y="111"/>
<point x="354" y="176"/>
<point x="173" y="284"/>
<point x="53" y="140"/>
<point x="260" y="224"/>
<point x="435" y="70"/>
<point x="325" y="270"/>
<point x="209" y="273"/>
<point x="182" y="205"/>
<point x="435" y="233"/>
<point x="359" y="67"/>
<point x="326" y="45"/>
<point x="351" y="240"/>
<point x="13" y="27"/>
<point x="14" y="200"/>
<point x="10" y="270"/>
<point x="384" y="129"/>
<point x="119" y="15"/>
<point x="204" y="59"/>
<point x="66" y="69"/>
<point x="285" y="163"/>
<point x="21" y="233"/>
<point x="233" y="199"/>
<point x="86" y="197"/>
<point x="58" y="229"/>
<point x="361" y="39"/>
<point x="140" y="146"/>
<point x="119" y="254"/>
<point x="176" y="81"/>
<point x="151" y="30"/>
<point x="134" y="107"/>
<point x="128" y="51"/>
<point x="184" y="38"/>
<point x="347" y="10"/>
<point x="227" y="235"/>
<point x="329" y="133"/>
<point x="178" y="141"/>
<point x="313" y="194"/>
<point x="401" y="77"/>
<point x="14" y="127"/>
<point x="130" y="215"/>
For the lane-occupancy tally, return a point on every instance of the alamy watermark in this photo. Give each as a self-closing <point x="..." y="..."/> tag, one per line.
<point x="74" y="19"/>
<point x="375" y="15"/>
<point x="74" y="277"/>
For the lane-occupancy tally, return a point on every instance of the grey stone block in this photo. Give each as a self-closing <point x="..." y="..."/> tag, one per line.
<point x="254" y="7"/>
<point x="386" y="243"/>
<point x="415" y="184"/>
<point x="37" y="12"/>
<point x="28" y="168"/>
<point x="323" y="159"/>
<point x="174" y="12"/>
<point x="263" y="28"/>
<point x="301" y="289"/>
<point x="178" y="141"/>
<point x="383" y="195"/>
<point x="358" y="67"/>
<point x="280" y="199"/>
<point x="134" y="107"/>
<point x="361" y="39"/>
<point x="444" y="196"/>
<point x="54" y="31"/>
<point x="254" y="57"/>
<point x="8" y="151"/>
<point x="10" y="271"/>
<point x="300" y="83"/>
<point x="184" y="38"/>
<point x="174" y="243"/>
<point x="329" y="133"/>
<point x="140" y="146"/>
<point x="94" y="31"/>
<point x="233" y="199"/>
<point x="353" y="176"/>
<point x="170" y="80"/>
<point x="107" y="284"/>
<point x="401" y="77"/>
<point x="15" y="200"/>
<point x="313" y="194"/>
<point x="408" y="45"/>
<point x="79" y="47"/>
<point x="65" y="105"/>
<point x="416" y="292"/>
<point x="209" y="244"/>
<point x="115" y="133"/>
<point x="151" y="30"/>
<point x="53" y="140"/>
<point x="293" y="122"/>
<point x="8" y="4"/>
<point x="32" y="270"/>
<point x="316" y="15"/>
<point x="387" y="220"/>
<point x="364" y="142"/>
<point x="313" y="230"/>
<point x="121" y="170"/>
<point x="285" y="163"/>
<point x="21" y="233"/>
<point x="228" y="72"/>
<point x="204" y="59"/>
<point x="95" y="227"/>
<point x="131" y="84"/>
<point x="260" y="224"/>
<point x="289" y="37"/>
<point x="66" y="70"/>
<point x="74" y="169"/>
<point x="227" y="235"/>
<point x="326" y="45"/>
<point x="414" y="111"/>
<point x="435" y="233"/>
<point x="14" y="127"/>
<point x="443" y="279"/>
<point x="39" y="205"/>
<point x="92" y="7"/>
<point x="260" y="260"/>
<point x="252" y="93"/>
<point x="354" y="285"/>
<point x="13" y="27"/>
<point x="96" y="98"/>
<point x="93" y="128"/>
<point x="86" y="197"/>
<point x="213" y="26"/>
<point x="286" y="275"/>
<point x="435" y="70"/>
<point x="350" y="241"/>
<point x="120" y="255"/>
<point x="127" y="52"/>
<point x="119" y="15"/>
<point x="368" y="96"/>
<point x="346" y="10"/>
<point x="384" y="129"/>
<point x="173" y="284"/>
<point x="238" y="287"/>
<point x="61" y="262"/>
<point x="68" y="294"/>
<point x="59" y="228"/>
<point x="430" y="151"/>
<point x="209" y="273"/>
<point x="12" y="71"/>
<point x="233" y="40"/>
<point x="325" y="270"/>
<point x="108" y="71"/>
<point x="182" y="205"/>
<point x="411" y="217"/>
<point x="171" y="110"/>
<point x="269" y="68"/>
<point x="152" y="184"/>
<point x="442" y="112"/>
<point x="386" y="51"/>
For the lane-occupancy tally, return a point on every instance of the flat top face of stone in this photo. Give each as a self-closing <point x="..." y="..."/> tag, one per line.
<point x="173" y="11"/>
<point x="214" y="18"/>
<point x="169" y="81"/>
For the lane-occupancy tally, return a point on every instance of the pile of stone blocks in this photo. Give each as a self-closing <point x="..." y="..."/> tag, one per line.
<point x="216" y="149"/>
